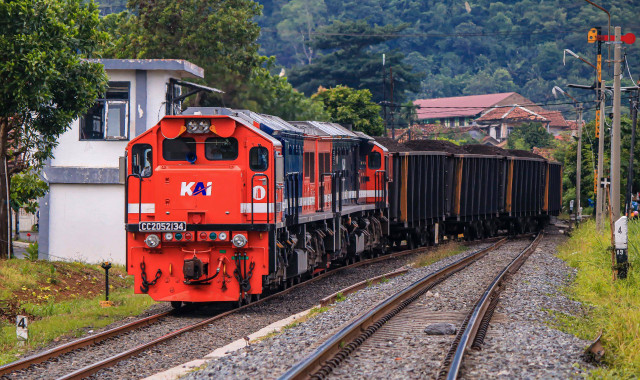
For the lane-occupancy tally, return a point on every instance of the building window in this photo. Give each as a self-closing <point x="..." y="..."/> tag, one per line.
<point x="108" y="119"/>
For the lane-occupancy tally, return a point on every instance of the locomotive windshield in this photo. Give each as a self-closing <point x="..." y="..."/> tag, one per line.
<point x="221" y="148"/>
<point x="178" y="149"/>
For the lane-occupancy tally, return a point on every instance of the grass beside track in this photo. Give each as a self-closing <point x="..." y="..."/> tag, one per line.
<point x="61" y="300"/>
<point x="612" y="306"/>
<point x="440" y="253"/>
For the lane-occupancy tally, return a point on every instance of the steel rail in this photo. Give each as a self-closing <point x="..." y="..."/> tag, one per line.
<point x="329" y="355"/>
<point x="481" y="315"/>
<point x="108" y="362"/>
<point x="93" y="339"/>
<point x="79" y="343"/>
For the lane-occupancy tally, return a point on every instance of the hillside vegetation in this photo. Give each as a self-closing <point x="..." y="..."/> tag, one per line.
<point x="459" y="47"/>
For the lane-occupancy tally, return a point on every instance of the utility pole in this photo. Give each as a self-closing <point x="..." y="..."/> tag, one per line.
<point x="615" y="135"/>
<point x="600" y="195"/>
<point x="634" y="118"/>
<point x="384" y="96"/>
<point x="579" y="164"/>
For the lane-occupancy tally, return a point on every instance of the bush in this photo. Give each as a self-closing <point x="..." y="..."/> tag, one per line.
<point x="32" y="252"/>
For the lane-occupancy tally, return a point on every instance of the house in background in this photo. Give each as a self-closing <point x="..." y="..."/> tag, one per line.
<point x="82" y="216"/>
<point x="499" y="121"/>
<point x="462" y="110"/>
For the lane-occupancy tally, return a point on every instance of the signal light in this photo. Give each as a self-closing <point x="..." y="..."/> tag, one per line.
<point x="223" y="236"/>
<point x="213" y="236"/>
<point x="203" y="236"/>
<point x="178" y="236"/>
<point x="188" y="236"/>
<point x="168" y="236"/>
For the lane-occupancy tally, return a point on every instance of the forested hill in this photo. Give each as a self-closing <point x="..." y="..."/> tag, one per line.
<point x="457" y="47"/>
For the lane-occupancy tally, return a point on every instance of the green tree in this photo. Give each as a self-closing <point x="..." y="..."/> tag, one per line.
<point x="353" y="108"/>
<point x="46" y="83"/>
<point x="528" y="136"/>
<point x="219" y="36"/>
<point x="26" y="188"/>
<point x="301" y="19"/>
<point x="350" y="60"/>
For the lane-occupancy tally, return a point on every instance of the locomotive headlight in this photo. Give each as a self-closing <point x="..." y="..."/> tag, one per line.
<point x="152" y="241"/>
<point x="239" y="240"/>
<point x="204" y="125"/>
<point x="192" y="126"/>
<point x="198" y="125"/>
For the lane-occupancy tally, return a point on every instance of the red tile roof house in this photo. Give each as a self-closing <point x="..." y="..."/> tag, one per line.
<point x="500" y="121"/>
<point x="462" y="110"/>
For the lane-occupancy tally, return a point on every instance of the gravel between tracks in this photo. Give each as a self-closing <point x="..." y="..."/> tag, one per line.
<point x="526" y="346"/>
<point x="258" y="360"/>
<point x="195" y="345"/>
<point x="510" y="348"/>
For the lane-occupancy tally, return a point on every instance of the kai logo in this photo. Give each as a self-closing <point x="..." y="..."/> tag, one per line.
<point x="195" y="188"/>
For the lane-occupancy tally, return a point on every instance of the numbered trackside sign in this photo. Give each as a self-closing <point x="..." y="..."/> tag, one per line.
<point x="21" y="327"/>
<point x="620" y="236"/>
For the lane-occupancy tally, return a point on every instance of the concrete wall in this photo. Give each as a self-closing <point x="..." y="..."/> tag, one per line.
<point x="81" y="217"/>
<point x="86" y="223"/>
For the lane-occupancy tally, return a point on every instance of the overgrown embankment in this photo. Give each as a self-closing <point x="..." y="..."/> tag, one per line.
<point x="611" y="306"/>
<point x="60" y="299"/>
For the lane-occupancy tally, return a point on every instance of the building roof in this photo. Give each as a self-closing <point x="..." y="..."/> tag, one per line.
<point x="515" y="112"/>
<point x="457" y="106"/>
<point x="556" y="119"/>
<point x="152" y="64"/>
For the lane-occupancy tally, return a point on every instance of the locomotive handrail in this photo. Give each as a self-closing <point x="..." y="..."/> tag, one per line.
<point x="332" y="175"/>
<point x="293" y="178"/>
<point x="267" y="177"/>
<point x="126" y="197"/>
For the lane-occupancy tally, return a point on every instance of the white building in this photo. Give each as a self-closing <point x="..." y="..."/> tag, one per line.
<point x="82" y="216"/>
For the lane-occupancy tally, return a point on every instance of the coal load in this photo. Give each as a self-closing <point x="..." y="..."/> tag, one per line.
<point x="523" y="153"/>
<point x="487" y="150"/>
<point x="392" y="145"/>
<point x="435" y="146"/>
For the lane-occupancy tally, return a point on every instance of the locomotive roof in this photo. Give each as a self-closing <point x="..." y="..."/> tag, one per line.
<point x="267" y="123"/>
<point x="323" y="128"/>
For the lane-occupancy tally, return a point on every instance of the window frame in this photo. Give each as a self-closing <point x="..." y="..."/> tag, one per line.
<point x="193" y="140"/>
<point x="379" y="160"/>
<point x="105" y="101"/>
<point x="135" y="155"/>
<point x="258" y="148"/>
<point x="237" y="145"/>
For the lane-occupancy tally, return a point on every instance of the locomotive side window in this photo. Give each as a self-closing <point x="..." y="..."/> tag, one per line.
<point x="179" y="149"/>
<point x="310" y="167"/>
<point x="221" y="148"/>
<point x="142" y="160"/>
<point x="258" y="159"/>
<point x="375" y="160"/>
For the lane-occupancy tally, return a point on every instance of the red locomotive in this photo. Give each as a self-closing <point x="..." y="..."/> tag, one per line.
<point x="222" y="205"/>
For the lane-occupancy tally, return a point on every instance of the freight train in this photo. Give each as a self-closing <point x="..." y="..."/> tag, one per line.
<point x="224" y="205"/>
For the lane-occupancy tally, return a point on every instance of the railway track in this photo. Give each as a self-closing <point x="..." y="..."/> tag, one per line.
<point x="339" y="348"/>
<point x="157" y="318"/>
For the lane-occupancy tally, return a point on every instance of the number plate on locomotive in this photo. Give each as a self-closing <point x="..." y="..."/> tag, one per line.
<point x="162" y="226"/>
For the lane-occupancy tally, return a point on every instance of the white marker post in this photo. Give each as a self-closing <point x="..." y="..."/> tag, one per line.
<point x="22" y="332"/>
<point x="621" y="238"/>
